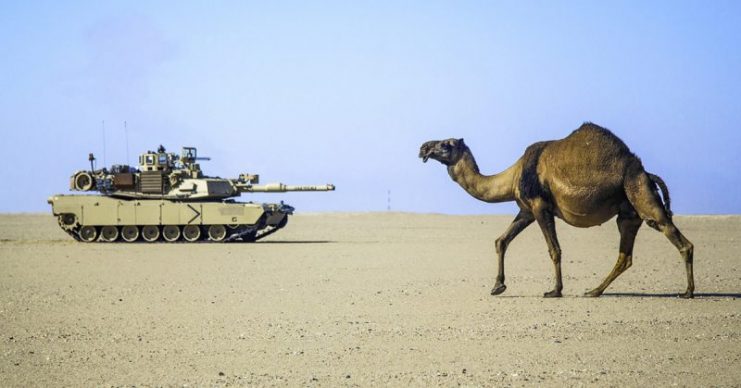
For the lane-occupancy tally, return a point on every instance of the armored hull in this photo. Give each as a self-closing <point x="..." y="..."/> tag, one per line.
<point x="92" y="218"/>
<point x="168" y="199"/>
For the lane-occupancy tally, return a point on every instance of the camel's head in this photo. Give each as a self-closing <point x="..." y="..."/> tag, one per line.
<point x="447" y="152"/>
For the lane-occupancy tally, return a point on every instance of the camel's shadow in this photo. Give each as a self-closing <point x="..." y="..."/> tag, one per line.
<point x="730" y="295"/>
<point x="703" y="295"/>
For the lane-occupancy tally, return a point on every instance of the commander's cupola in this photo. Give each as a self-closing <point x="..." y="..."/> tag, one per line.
<point x="157" y="161"/>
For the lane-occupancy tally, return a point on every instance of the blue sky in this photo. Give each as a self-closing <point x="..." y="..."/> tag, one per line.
<point x="345" y="92"/>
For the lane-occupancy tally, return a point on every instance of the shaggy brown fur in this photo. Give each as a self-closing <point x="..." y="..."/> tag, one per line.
<point x="585" y="179"/>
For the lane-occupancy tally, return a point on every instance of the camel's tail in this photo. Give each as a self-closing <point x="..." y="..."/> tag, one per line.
<point x="664" y="192"/>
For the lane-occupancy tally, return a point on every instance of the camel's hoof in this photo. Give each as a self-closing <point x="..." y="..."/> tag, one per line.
<point x="593" y="294"/>
<point x="552" y="294"/>
<point x="498" y="289"/>
<point x="687" y="295"/>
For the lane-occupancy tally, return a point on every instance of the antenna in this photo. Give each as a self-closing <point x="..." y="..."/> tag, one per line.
<point x="388" y="201"/>
<point x="104" y="162"/>
<point x="126" y="134"/>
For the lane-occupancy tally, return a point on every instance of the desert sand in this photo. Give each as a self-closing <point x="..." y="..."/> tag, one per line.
<point x="367" y="299"/>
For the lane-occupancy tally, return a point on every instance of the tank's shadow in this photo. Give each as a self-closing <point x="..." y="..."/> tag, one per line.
<point x="672" y="295"/>
<point x="296" y="242"/>
<point x="194" y="243"/>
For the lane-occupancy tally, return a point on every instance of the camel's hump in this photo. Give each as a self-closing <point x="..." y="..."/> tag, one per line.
<point x="590" y="133"/>
<point x="589" y="154"/>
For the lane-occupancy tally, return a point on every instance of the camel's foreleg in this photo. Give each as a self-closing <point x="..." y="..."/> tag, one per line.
<point x="521" y="221"/>
<point x="628" y="227"/>
<point x="548" y="226"/>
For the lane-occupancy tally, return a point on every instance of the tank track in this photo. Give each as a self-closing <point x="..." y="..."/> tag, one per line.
<point x="234" y="233"/>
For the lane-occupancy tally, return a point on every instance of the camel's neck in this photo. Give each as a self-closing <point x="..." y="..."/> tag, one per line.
<point x="487" y="188"/>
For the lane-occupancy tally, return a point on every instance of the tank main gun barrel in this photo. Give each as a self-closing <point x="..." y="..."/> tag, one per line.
<point x="281" y="188"/>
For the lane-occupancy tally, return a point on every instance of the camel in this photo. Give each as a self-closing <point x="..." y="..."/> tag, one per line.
<point x="584" y="179"/>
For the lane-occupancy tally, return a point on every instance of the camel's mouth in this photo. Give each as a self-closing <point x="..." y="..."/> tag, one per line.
<point x="425" y="152"/>
<point x="446" y="152"/>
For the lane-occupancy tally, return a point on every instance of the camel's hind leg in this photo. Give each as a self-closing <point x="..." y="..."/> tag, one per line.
<point x="628" y="225"/>
<point x="640" y="193"/>
<point x="520" y="222"/>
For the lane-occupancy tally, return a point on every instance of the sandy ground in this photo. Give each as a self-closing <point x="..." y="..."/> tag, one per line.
<point x="367" y="299"/>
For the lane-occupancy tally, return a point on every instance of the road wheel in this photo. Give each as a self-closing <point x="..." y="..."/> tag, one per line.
<point x="109" y="233"/>
<point x="150" y="233"/>
<point x="88" y="233"/>
<point x="171" y="233"/>
<point x="217" y="232"/>
<point x="67" y="219"/>
<point x="130" y="233"/>
<point x="191" y="233"/>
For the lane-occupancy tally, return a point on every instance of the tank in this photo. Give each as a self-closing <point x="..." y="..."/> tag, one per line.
<point x="168" y="198"/>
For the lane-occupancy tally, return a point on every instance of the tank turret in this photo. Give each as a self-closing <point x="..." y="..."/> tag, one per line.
<point x="166" y="175"/>
<point x="173" y="190"/>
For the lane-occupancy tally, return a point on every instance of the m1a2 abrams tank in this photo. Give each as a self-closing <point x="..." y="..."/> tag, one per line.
<point x="168" y="198"/>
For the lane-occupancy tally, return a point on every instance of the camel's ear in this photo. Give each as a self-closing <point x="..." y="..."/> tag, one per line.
<point x="460" y="141"/>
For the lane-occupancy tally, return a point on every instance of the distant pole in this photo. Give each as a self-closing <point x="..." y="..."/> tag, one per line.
<point x="126" y="134"/>
<point x="104" y="162"/>
<point x="388" y="201"/>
